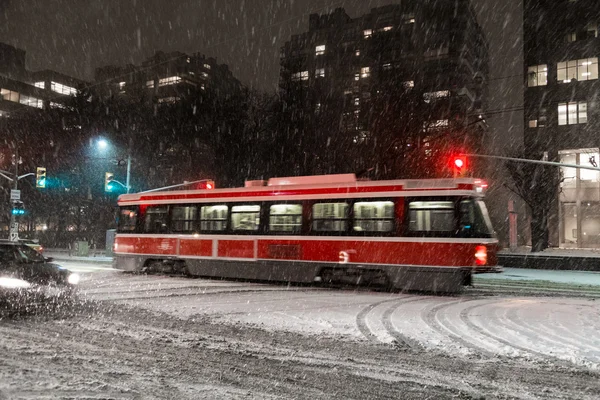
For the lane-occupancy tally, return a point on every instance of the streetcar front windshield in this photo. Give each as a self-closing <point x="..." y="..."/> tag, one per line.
<point x="474" y="219"/>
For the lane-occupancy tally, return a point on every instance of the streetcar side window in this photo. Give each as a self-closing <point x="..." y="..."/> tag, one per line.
<point x="213" y="218"/>
<point x="127" y="219"/>
<point x="245" y="218"/>
<point x="373" y="216"/>
<point x="157" y="219"/>
<point x="184" y="219"/>
<point x="431" y="216"/>
<point x="285" y="218"/>
<point x="330" y="217"/>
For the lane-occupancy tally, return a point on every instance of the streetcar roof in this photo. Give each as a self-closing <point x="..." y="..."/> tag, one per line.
<point x="316" y="189"/>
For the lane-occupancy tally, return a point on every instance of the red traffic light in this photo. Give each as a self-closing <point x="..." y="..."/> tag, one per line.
<point x="459" y="162"/>
<point x="207" y="184"/>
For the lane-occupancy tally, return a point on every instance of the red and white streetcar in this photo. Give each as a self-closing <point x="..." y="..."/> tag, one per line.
<point x="428" y="235"/>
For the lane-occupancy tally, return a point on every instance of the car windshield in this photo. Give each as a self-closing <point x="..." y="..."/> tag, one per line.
<point x="29" y="254"/>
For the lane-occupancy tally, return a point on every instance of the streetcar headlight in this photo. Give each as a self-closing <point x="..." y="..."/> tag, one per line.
<point x="13" y="283"/>
<point x="481" y="255"/>
<point x="73" y="279"/>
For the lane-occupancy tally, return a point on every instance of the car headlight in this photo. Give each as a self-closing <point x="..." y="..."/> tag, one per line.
<point x="13" y="283"/>
<point x="73" y="279"/>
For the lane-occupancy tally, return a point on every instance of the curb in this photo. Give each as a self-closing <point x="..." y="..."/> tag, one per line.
<point x="104" y="260"/>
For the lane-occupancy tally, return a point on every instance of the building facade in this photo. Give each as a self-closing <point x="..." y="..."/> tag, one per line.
<point x="562" y="113"/>
<point x="167" y="77"/>
<point x="405" y="75"/>
<point x="20" y="88"/>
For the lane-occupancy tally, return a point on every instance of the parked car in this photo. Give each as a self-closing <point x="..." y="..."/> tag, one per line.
<point x="33" y="243"/>
<point x="27" y="277"/>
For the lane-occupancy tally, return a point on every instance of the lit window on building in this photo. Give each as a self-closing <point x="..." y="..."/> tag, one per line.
<point x="357" y="77"/>
<point x="188" y="60"/>
<point x="168" y="100"/>
<point x="408" y="18"/>
<point x="57" y="105"/>
<point x="537" y="75"/>
<point x="367" y="33"/>
<point x="202" y="86"/>
<point x="62" y="89"/>
<point x="171" y="80"/>
<point x="429" y="96"/>
<point x="207" y="66"/>
<point x="318" y="108"/>
<point x="387" y="66"/>
<point x="205" y="74"/>
<point x="387" y="28"/>
<point x="435" y="125"/>
<point x="365" y="72"/>
<point x="9" y="95"/>
<point x="408" y="84"/>
<point x="533" y="123"/>
<point x="320" y="50"/>
<point x="122" y="85"/>
<point x="572" y="113"/>
<point x="571" y="37"/>
<point x="357" y="101"/>
<point x="41" y="85"/>
<point x="581" y="70"/>
<point x="320" y="73"/>
<point x="300" y="76"/>
<point x="150" y="84"/>
<point x="357" y="53"/>
<point x="31" y="101"/>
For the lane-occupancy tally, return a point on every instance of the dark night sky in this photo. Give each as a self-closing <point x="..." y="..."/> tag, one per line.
<point x="76" y="36"/>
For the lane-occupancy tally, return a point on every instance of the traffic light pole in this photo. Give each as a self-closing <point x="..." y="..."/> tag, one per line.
<point x="525" y="160"/>
<point x="14" y="225"/>
<point x="128" y="171"/>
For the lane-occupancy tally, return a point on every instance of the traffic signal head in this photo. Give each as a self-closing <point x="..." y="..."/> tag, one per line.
<point x="207" y="184"/>
<point x="108" y="184"/>
<point x="459" y="164"/>
<point x="18" y="208"/>
<point x="40" y="178"/>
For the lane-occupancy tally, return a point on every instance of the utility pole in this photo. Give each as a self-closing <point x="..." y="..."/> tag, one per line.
<point x="14" y="225"/>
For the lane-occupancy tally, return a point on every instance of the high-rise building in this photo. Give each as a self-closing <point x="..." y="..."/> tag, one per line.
<point x="411" y="75"/>
<point x="187" y="95"/>
<point x="562" y="114"/>
<point x="167" y="77"/>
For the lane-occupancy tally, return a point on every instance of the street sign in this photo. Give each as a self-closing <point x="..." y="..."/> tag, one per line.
<point x="14" y="232"/>
<point x="15" y="194"/>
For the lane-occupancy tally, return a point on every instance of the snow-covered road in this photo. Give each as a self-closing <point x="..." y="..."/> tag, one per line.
<point x="538" y="328"/>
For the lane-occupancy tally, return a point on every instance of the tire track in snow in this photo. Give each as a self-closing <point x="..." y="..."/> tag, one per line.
<point x="361" y="318"/>
<point x="464" y="316"/>
<point x="391" y="328"/>
<point x="432" y="317"/>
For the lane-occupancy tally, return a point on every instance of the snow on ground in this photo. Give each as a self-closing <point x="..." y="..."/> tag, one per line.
<point x="529" y="327"/>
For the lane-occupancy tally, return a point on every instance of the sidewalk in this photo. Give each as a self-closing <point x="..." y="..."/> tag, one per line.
<point x="551" y="259"/>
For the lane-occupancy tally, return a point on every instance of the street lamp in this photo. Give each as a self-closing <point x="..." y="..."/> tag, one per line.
<point x="103" y="144"/>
